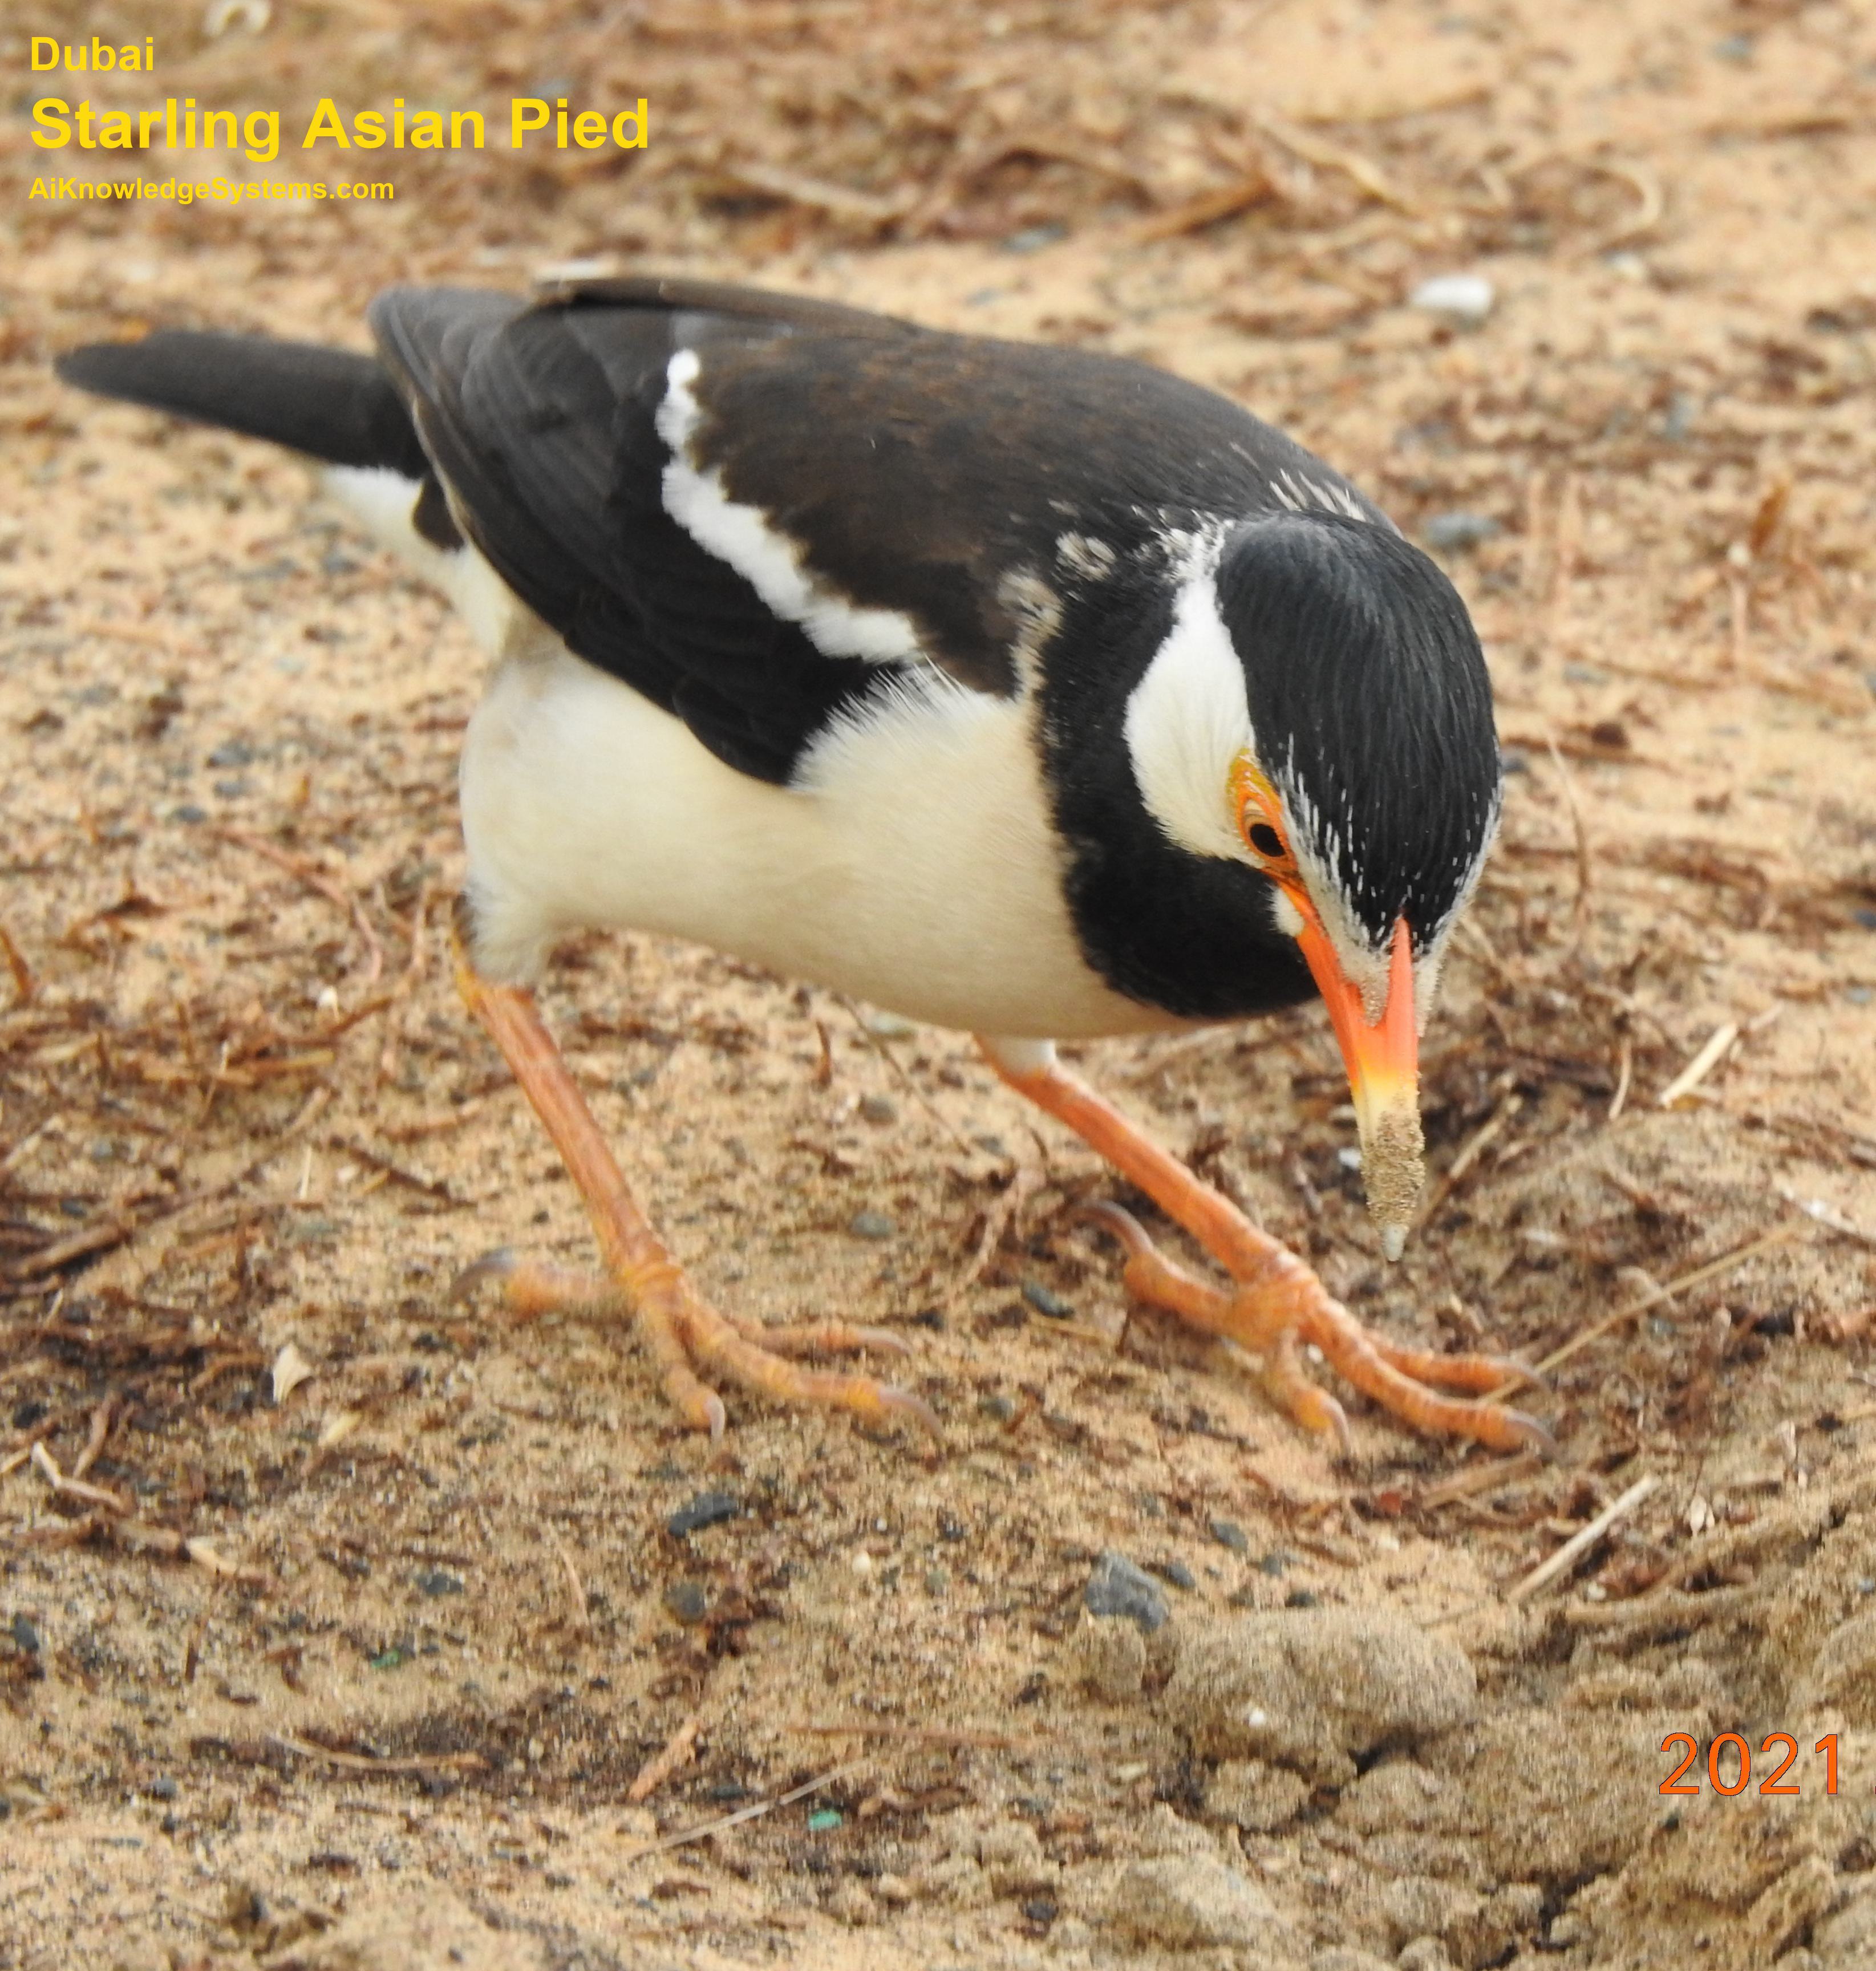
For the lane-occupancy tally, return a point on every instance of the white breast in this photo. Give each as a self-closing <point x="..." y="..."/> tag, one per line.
<point x="912" y="864"/>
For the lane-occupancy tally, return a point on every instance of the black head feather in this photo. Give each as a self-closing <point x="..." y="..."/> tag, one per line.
<point x="1373" y="708"/>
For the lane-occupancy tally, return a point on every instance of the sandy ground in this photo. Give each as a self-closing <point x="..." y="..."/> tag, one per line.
<point x="374" y="1612"/>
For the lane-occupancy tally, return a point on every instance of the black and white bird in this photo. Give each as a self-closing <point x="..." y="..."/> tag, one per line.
<point x="1013" y="688"/>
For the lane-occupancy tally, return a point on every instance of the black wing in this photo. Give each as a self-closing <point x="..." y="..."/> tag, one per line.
<point x="914" y="471"/>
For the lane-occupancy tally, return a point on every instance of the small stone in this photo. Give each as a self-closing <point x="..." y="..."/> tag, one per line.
<point x="877" y="1108"/>
<point x="1312" y="1689"/>
<point x="1187" y="1901"/>
<point x="232" y="753"/>
<point x="707" y="1509"/>
<point x="1229" y="1533"/>
<point x="1044" y="1302"/>
<point x="438" y="1581"/>
<point x="1464" y="297"/>
<point x="1033" y="239"/>
<point x="1117" y="1587"/>
<point x="1000" y="1408"/>
<point x="1276" y="1562"/>
<point x="1176" y="1572"/>
<point x="162" y="1788"/>
<point x="686" y="1602"/>
<point x="872" y="1225"/>
<point x="824" y="1819"/>
<point x="1458" y="531"/>
<point x="888" y="1026"/>
<point x="189" y="814"/>
<point x="24" y="1635"/>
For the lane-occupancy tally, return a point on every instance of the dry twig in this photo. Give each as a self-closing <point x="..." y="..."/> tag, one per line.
<point x="1579" y="1542"/>
<point x="674" y="1752"/>
<point x="753" y="1812"/>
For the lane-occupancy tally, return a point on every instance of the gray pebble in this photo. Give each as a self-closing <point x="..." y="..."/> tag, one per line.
<point x="165" y="1788"/>
<point x="1458" y="531"/>
<point x="872" y="1225"/>
<point x="877" y="1108"/>
<point x="1229" y="1533"/>
<point x="1044" y="1302"/>
<point x="707" y="1509"/>
<point x="999" y="1406"/>
<point x="1117" y="1587"/>
<point x="25" y="1635"/>
<point x="685" y="1601"/>
<point x="436" y="1581"/>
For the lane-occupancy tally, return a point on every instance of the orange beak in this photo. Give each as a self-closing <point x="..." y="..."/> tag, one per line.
<point x="1382" y="1058"/>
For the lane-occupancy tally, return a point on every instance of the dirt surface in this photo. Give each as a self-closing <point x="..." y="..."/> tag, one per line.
<point x="373" y="1612"/>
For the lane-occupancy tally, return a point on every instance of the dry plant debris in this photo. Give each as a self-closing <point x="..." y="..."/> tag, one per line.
<point x="341" y="1662"/>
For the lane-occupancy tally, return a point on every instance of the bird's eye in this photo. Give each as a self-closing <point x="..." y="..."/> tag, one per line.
<point x="1265" y="840"/>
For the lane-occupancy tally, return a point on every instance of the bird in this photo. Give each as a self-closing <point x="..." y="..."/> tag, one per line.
<point x="1018" y="689"/>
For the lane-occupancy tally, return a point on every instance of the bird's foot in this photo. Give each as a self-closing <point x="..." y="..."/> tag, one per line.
<point x="1279" y="1303"/>
<point x="531" y="1287"/>
<point x="757" y="1357"/>
<point x="684" y="1334"/>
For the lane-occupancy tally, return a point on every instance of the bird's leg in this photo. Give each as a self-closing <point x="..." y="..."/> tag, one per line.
<point x="679" y="1327"/>
<point x="1278" y="1302"/>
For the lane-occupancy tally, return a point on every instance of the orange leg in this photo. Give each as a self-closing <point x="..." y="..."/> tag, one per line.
<point x="680" y="1329"/>
<point x="1278" y="1302"/>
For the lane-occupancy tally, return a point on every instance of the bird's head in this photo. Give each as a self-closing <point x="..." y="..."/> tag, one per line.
<point x="1321" y="717"/>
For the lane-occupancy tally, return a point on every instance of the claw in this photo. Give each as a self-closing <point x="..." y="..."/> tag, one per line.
<point x="882" y="1338"/>
<point x="1122" y="1223"/>
<point x="909" y="1409"/>
<point x="496" y="1266"/>
<point x="1532" y="1434"/>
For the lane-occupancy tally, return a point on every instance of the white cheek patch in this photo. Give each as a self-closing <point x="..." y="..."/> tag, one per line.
<point x="772" y="563"/>
<point x="1187" y="721"/>
<point x="1288" y="918"/>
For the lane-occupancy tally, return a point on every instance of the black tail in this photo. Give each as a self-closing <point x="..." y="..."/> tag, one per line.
<point x="327" y="402"/>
